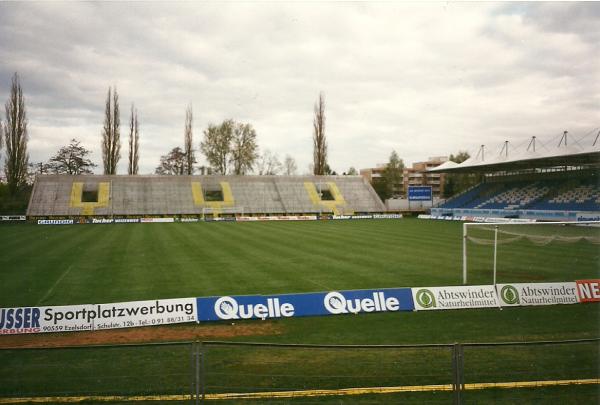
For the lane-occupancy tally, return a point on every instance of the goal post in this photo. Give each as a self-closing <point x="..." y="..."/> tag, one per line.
<point x="220" y="211"/>
<point x="553" y="246"/>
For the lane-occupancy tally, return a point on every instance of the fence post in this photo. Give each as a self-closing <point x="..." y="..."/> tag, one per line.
<point x="202" y="371"/>
<point x="457" y="373"/>
<point x="461" y="367"/>
<point x="197" y="374"/>
<point x="192" y="371"/>
<point x="454" y="375"/>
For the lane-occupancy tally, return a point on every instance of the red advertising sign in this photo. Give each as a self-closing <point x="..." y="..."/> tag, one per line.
<point x="588" y="290"/>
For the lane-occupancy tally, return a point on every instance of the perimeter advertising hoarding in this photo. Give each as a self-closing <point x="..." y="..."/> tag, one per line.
<point x="588" y="216"/>
<point x="454" y="297"/>
<point x="588" y="290"/>
<point x="277" y="218"/>
<point x="524" y="294"/>
<point x="311" y="304"/>
<point x="366" y="216"/>
<point x="420" y="193"/>
<point x="12" y="218"/>
<point x="545" y="215"/>
<point x="55" y="222"/>
<point x="96" y="316"/>
<point x="156" y="220"/>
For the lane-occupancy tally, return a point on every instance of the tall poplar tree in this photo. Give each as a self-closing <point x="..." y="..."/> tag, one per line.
<point x="190" y="159"/>
<point x="15" y="137"/>
<point x="111" y="137"/>
<point x="134" y="137"/>
<point x="319" y="140"/>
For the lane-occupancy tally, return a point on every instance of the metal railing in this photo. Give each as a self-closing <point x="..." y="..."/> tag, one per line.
<point x="230" y="372"/>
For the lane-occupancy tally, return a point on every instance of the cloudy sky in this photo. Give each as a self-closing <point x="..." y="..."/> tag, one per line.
<point x="422" y="79"/>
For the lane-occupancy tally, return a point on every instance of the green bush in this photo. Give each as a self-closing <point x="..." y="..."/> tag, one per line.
<point x="14" y="204"/>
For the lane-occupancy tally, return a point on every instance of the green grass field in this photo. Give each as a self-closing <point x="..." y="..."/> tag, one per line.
<point x="60" y="265"/>
<point x="55" y="265"/>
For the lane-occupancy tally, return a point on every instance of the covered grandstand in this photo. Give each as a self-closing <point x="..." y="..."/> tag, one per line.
<point x="560" y="182"/>
<point x="127" y="196"/>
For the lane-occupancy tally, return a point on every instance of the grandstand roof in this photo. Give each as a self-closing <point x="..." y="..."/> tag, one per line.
<point x="534" y="155"/>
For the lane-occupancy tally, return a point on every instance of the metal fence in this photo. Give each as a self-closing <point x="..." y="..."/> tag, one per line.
<point x="228" y="373"/>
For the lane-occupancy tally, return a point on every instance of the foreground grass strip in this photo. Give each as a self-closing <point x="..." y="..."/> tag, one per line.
<point x="303" y="393"/>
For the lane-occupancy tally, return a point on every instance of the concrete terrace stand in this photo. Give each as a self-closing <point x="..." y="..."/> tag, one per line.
<point x="95" y="195"/>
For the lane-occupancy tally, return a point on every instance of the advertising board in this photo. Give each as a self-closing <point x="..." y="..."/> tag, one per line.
<point x="546" y="215"/>
<point x="156" y="220"/>
<point x="588" y="216"/>
<point x="96" y="316"/>
<point x="588" y="290"/>
<point x="55" y="222"/>
<point x="11" y="218"/>
<point x="277" y="218"/>
<point x="524" y="294"/>
<point x="310" y="304"/>
<point x="454" y="297"/>
<point x="420" y="193"/>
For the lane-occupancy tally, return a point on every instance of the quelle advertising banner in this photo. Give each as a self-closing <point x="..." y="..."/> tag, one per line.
<point x="310" y="304"/>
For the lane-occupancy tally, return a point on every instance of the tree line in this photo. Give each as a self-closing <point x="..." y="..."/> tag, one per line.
<point x="229" y="147"/>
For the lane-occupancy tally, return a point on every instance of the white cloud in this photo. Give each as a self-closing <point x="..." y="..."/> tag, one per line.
<point x="424" y="79"/>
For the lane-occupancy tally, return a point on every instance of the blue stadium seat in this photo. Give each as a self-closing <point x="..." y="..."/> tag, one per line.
<point x="560" y="195"/>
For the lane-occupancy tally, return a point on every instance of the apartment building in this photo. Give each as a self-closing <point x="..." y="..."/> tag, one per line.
<point x="416" y="175"/>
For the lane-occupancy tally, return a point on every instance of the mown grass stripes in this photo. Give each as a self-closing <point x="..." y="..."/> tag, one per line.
<point x="146" y="261"/>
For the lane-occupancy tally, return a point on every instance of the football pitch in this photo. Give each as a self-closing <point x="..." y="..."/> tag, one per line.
<point x="68" y="265"/>
<point x="61" y="265"/>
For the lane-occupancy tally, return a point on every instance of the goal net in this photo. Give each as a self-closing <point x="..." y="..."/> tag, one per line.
<point x="530" y="252"/>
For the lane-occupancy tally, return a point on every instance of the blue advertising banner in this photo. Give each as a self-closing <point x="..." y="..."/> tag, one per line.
<point x="420" y="193"/>
<point x="310" y="304"/>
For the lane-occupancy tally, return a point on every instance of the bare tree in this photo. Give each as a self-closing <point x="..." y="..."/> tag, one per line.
<point x="39" y="168"/>
<point x="134" y="138"/>
<point x="15" y="138"/>
<point x="216" y="145"/>
<point x="173" y="163"/>
<point x="289" y="166"/>
<point x="71" y="159"/>
<point x="244" y="150"/>
<point x="319" y="141"/>
<point x="36" y="168"/>
<point x="268" y="164"/>
<point x="1" y="139"/>
<point x="190" y="159"/>
<point x="111" y="137"/>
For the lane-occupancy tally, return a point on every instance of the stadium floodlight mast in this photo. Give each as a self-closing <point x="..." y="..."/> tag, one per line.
<point x="539" y="239"/>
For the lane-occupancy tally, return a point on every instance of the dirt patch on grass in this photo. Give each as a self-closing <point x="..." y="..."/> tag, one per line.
<point x="141" y="335"/>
